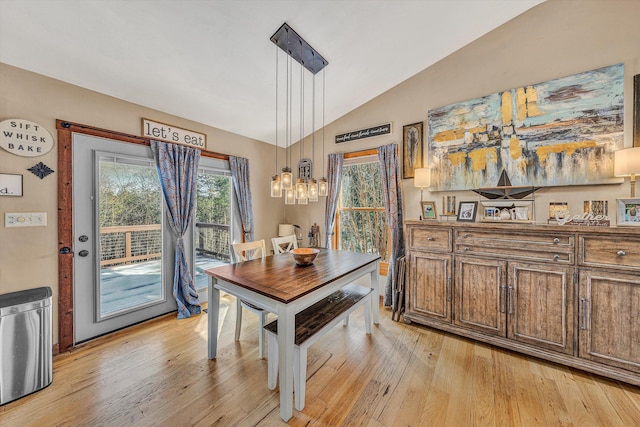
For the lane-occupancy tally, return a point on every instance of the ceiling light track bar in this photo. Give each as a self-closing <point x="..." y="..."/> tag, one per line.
<point x="296" y="47"/>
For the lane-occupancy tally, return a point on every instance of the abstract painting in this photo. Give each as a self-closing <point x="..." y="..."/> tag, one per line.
<point x="557" y="133"/>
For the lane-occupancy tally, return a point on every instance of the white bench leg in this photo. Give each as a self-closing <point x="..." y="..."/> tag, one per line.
<point x="272" y="363"/>
<point x="262" y="338"/>
<point x="367" y="315"/>
<point x="238" y="318"/>
<point x="299" y="375"/>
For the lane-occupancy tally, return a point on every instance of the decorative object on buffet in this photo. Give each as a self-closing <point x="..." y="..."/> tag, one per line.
<point x="627" y="163"/>
<point x="557" y="208"/>
<point x="629" y="212"/>
<point x="306" y="187"/>
<point x="467" y="211"/>
<point x="429" y="210"/>
<point x="508" y="202"/>
<point x="448" y="205"/>
<point x="314" y="236"/>
<point x="412" y="148"/>
<point x="422" y="179"/>
<point x="562" y="136"/>
<point x="596" y="207"/>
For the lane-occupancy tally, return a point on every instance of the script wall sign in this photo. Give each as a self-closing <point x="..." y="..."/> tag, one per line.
<point x="173" y="134"/>
<point x="364" y="133"/>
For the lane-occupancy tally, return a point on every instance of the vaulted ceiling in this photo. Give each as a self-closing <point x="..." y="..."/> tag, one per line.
<point x="212" y="61"/>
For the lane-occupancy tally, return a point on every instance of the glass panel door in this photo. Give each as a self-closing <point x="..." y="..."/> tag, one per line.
<point x="130" y="249"/>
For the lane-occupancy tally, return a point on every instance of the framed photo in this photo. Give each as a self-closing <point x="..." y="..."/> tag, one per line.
<point x="429" y="210"/>
<point x="467" y="211"/>
<point x="10" y="184"/>
<point x="411" y="149"/>
<point x="629" y="212"/>
<point x="556" y="208"/>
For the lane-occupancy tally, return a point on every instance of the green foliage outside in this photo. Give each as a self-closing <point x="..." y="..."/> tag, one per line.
<point x="363" y="225"/>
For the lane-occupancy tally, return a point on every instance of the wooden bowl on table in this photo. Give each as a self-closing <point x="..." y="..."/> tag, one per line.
<point x="304" y="256"/>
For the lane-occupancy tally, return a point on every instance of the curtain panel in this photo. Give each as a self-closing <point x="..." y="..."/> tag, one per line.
<point x="240" y="176"/>
<point x="392" y="191"/>
<point x="334" y="179"/>
<point x="178" y="170"/>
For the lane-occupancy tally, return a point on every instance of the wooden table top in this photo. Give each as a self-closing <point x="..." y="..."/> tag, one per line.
<point x="278" y="276"/>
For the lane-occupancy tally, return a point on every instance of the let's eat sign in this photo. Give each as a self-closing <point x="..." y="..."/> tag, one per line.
<point x="173" y="134"/>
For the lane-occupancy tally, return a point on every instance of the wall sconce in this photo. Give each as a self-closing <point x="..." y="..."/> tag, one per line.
<point x="422" y="179"/>
<point x="627" y="163"/>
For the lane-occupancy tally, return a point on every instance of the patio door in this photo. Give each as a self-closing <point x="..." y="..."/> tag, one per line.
<point x="123" y="260"/>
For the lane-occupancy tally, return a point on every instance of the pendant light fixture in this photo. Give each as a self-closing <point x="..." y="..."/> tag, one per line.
<point x="323" y="186"/>
<point x="306" y="187"/>
<point x="276" y="183"/>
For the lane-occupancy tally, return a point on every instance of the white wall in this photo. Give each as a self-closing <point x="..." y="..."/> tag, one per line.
<point x="554" y="39"/>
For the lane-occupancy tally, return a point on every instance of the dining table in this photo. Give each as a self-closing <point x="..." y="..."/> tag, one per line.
<point x="277" y="284"/>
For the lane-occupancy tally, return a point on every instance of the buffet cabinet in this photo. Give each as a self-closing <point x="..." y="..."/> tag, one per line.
<point x="566" y="294"/>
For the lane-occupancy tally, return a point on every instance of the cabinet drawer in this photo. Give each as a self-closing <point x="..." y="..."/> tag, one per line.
<point x="430" y="239"/>
<point x="617" y="252"/>
<point x="554" y="247"/>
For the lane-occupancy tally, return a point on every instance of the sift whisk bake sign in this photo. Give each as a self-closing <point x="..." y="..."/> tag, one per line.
<point x="25" y="138"/>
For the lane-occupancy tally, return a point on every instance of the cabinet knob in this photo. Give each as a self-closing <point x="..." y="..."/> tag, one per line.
<point x="466" y="248"/>
<point x="556" y="257"/>
<point x="621" y="253"/>
<point x="556" y="240"/>
<point x="430" y="239"/>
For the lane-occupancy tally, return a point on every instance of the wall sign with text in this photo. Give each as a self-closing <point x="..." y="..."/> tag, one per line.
<point x="25" y="138"/>
<point x="173" y="134"/>
<point x="364" y="133"/>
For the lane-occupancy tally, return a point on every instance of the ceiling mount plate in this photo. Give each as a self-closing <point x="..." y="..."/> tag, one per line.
<point x="297" y="48"/>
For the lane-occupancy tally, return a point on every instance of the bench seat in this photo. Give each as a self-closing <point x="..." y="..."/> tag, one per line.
<point x="312" y="323"/>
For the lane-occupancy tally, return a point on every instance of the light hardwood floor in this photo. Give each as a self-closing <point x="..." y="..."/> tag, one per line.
<point x="157" y="374"/>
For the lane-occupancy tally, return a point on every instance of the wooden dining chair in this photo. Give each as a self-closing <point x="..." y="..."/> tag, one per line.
<point x="284" y="244"/>
<point x="244" y="252"/>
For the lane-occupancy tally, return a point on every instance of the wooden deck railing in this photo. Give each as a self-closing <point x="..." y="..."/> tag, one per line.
<point x="128" y="230"/>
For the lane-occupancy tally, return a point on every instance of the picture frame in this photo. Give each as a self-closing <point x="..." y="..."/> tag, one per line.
<point x="467" y="211"/>
<point x="629" y="212"/>
<point x="429" y="210"/>
<point x="11" y="184"/>
<point x="556" y="208"/>
<point x="412" y="149"/>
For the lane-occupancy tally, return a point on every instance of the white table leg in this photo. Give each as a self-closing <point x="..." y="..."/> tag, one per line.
<point x="286" y="334"/>
<point x="213" y="315"/>
<point x="375" y="295"/>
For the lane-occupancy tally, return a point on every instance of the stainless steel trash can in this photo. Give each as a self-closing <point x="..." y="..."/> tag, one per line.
<point x="25" y="343"/>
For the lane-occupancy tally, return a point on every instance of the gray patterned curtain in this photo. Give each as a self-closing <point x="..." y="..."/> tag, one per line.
<point x="392" y="190"/>
<point x="178" y="171"/>
<point x="334" y="178"/>
<point x="240" y="176"/>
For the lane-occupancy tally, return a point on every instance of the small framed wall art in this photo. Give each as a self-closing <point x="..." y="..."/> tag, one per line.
<point x="629" y="212"/>
<point x="411" y="149"/>
<point x="10" y="184"/>
<point x="429" y="210"/>
<point x="467" y="211"/>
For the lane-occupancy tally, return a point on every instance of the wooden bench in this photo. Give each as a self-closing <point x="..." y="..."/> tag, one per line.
<point x="312" y="323"/>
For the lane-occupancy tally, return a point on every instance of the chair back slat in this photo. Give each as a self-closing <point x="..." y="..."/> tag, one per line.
<point x="248" y="250"/>
<point x="284" y="244"/>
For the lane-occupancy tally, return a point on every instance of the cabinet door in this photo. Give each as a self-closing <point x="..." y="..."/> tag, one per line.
<point x="540" y="305"/>
<point x="610" y="318"/>
<point x="429" y="290"/>
<point x="480" y="300"/>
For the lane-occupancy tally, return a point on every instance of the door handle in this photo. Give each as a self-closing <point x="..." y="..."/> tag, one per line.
<point x="583" y="302"/>
<point x="510" y="299"/>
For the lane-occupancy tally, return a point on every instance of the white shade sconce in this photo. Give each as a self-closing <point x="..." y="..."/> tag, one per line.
<point x="627" y="163"/>
<point x="422" y="179"/>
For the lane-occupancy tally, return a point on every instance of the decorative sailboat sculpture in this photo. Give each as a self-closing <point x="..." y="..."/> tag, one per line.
<point x="504" y="189"/>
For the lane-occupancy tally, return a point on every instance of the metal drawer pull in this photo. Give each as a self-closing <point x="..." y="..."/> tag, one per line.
<point x="449" y="288"/>
<point x="621" y="253"/>
<point x="430" y="239"/>
<point x="556" y="240"/>
<point x="556" y="257"/>
<point x="466" y="248"/>
<point x="503" y="297"/>
<point x="583" y="302"/>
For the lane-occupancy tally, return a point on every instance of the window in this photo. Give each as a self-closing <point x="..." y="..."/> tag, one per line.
<point x="361" y="222"/>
